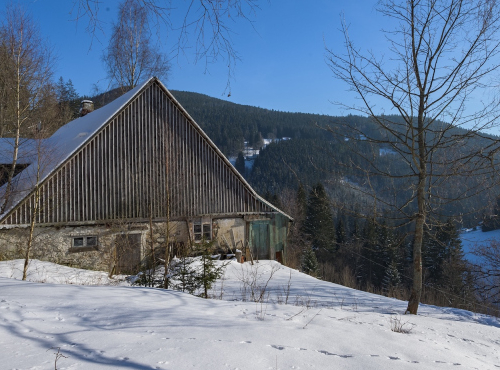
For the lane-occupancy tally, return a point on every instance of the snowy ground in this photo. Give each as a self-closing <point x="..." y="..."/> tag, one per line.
<point x="475" y="238"/>
<point x="320" y="326"/>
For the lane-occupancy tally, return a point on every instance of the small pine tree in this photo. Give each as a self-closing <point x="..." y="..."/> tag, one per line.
<point x="392" y="278"/>
<point x="183" y="275"/>
<point x="309" y="262"/>
<point x="196" y="275"/>
<point x="208" y="272"/>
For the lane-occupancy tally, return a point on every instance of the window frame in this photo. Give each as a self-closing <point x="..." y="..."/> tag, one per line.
<point x="85" y="246"/>
<point x="204" y="233"/>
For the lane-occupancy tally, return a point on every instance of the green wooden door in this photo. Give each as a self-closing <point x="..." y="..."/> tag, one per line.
<point x="259" y="239"/>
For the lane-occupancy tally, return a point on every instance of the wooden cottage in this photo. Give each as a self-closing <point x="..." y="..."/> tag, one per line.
<point x="136" y="172"/>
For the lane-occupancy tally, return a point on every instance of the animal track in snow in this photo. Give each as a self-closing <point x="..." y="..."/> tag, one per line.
<point x="334" y="354"/>
<point x="281" y="348"/>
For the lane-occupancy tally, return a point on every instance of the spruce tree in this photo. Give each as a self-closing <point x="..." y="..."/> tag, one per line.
<point x="434" y="250"/>
<point x="341" y="231"/>
<point x="318" y="225"/>
<point x="390" y="256"/>
<point x="208" y="272"/>
<point x="309" y="262"/>
<point x="392" y="278"/>
<point x="240" y="164"/>
<point x="302" y="201"/>
<point x="371" y="253"/>
<point x="455" y="271"/>
<point x="196" y="275"/>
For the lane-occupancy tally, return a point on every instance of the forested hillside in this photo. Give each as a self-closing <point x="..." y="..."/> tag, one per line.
<point x="229" y="124"/>
<point x="322" y="149"/>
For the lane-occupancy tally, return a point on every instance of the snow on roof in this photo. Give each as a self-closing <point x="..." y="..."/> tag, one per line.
<point x="60" y="146"/>
<point x="70" y="137"/>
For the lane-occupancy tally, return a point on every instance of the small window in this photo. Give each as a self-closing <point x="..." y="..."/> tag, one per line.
<point x="91" y="241"/>
<point x="207" y="234"/>
<point x="77" y="242"/>
<point x="202" y="232"/>
<point x="84" y="243"/>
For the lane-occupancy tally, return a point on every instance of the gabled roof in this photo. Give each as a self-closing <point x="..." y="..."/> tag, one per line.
<point x="56" y="150"/>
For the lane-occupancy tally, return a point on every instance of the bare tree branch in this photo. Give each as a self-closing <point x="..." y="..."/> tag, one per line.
<point x="442" y="56"/>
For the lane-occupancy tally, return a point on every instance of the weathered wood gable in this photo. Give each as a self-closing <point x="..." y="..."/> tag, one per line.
<point x="149" y="160"/>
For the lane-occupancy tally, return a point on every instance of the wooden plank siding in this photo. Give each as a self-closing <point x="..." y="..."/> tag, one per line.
<point x="149" y="149"/>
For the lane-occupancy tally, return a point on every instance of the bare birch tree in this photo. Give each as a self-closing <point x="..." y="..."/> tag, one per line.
<point x="29" y="63"/>
<point x="442" y="55"/>
<point x="203" y="27"/>
<point x="130" y="58"/>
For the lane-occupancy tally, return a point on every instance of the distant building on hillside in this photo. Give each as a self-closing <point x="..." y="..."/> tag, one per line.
<point x="135" y="173"/>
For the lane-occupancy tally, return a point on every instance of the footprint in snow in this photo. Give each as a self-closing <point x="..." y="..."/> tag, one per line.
<point x="281" y="348"/>
<point x="327" y="353"/>
<point x="334" y="354"/>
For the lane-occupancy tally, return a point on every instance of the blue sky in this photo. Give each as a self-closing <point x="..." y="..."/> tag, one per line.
<point x="282" y="52"/>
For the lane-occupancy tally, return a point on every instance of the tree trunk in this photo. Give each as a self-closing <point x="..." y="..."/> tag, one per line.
<point x="416" y="291"/>
<point x="34" y="213"/>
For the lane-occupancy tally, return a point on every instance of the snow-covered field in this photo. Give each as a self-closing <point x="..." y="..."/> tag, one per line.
<point x="475" y="238"/>
<point x="311" y="325"/>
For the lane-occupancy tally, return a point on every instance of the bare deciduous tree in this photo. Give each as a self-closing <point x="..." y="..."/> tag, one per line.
<point x="27" y="84"/>
<point x="442" y="53"/>
<point x="487" y="271"/>
<point x="130" y="58"/>
<point x="204" y="26"/>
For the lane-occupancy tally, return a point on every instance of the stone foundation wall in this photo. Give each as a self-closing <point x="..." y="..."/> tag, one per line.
<point x="56" y="244"/>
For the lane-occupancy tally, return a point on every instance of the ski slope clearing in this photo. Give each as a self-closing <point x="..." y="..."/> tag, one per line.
<point x="473" y="239"/>
<point x="301" y="323"/>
